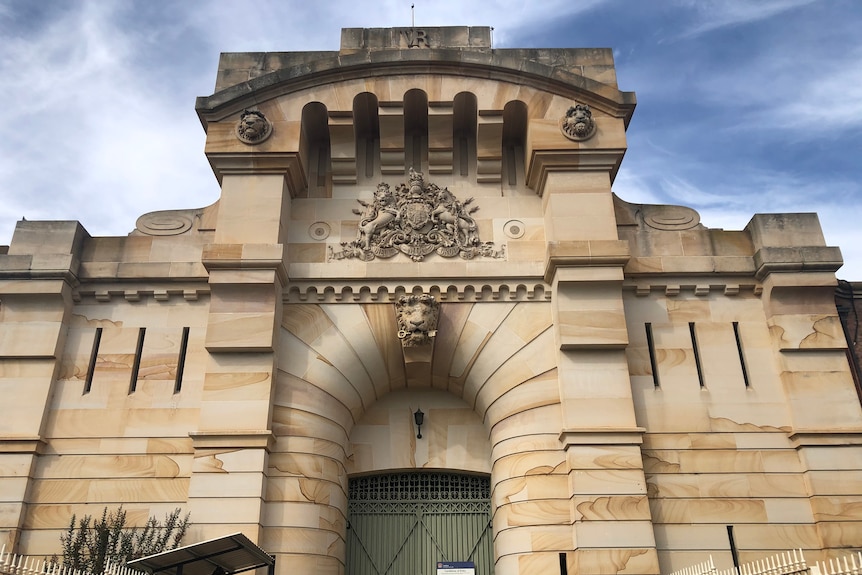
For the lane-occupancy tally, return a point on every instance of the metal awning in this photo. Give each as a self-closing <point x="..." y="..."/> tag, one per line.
<point x="223" y="556"/>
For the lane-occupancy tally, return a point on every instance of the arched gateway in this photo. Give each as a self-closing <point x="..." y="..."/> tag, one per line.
<point x="423" y="222"/>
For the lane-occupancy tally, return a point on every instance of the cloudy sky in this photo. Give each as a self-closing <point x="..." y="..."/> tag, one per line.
<point x="744" y="106"/>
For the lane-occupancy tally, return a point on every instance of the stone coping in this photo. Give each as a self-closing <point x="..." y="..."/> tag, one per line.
<point x="505" y="65"/>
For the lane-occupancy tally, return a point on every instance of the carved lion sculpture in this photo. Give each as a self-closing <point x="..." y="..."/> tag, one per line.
<point x="253" y="127"/>
<point x="578" y="123"/>
<point x="417" y="319"/>
<point x="377" y="215"/>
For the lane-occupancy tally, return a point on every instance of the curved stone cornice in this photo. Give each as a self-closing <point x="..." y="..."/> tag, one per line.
<point x="499" y="65"/>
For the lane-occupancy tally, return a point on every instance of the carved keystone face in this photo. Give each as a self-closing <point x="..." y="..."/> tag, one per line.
<point x="417" y="317"/>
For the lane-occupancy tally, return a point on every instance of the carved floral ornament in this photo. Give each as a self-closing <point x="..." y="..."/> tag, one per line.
<point x="416" y="219"/>
<point x="578" y="123"/>
<point x="417" y="317"/>
<point x="253" y="127"/>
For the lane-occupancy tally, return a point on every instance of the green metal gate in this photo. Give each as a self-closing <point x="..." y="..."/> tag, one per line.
<point x="404" y="523"/>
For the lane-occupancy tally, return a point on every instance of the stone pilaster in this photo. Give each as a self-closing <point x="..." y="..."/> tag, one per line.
<point x="489" y="146"/>
<point x="246" y="265"/>
<point x="391" y="117"/>
<point x="797" y="271"/>
<point x="342" y="142"/>
<point x="608" y="505"/>
<point x="36" y="280"/>
<point x="440" y="137"/>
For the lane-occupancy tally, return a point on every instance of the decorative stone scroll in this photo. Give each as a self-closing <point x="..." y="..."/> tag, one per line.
<point x="253" y="127"/>
<point x="168" y="222"/>
<point x="416" y="219"/>
<point x="578" y="123"/>
<point x="669" y="218"/>
<point x="417" y="317"/>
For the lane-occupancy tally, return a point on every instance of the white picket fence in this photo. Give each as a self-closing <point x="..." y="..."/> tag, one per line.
<point x="12" y="564"/>
<point x="787" y="563"/>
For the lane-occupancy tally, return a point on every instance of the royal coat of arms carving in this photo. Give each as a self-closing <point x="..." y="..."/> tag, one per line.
<point x="416" y="219"/>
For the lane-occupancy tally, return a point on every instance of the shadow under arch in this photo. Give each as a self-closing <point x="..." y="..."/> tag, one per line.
<point x="415" y="130"/>
<point x="315" y="151"/>
<point x="514" y="143"/>
<point x="366" y="122"/>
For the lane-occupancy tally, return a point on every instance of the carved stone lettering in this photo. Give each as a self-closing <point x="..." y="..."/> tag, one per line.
<point x="414" y="38"/>
<point x="416" y="219"/>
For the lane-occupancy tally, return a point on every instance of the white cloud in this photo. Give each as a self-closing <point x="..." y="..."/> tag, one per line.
<point x="97" y="139"/>
<point x="715" y="14"/>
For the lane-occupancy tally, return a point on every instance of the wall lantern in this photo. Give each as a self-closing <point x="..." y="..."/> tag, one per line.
<point x="419" y="418"/>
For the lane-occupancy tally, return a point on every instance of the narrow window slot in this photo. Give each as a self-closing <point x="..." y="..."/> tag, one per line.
<point x="733" y="551"/>
<point x="136" y="366"/>
<point x="564" y="569"/>
<point x="181" y="361"/>
<point x="741" y="355"/>
<point x="652" y="361"/>
<point x="94" y="356"/>
<point x="696" y="353"/>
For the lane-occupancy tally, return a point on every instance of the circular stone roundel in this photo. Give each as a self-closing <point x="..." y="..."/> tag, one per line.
<point x="319" y="231"/>
<point x="514" y="229"/>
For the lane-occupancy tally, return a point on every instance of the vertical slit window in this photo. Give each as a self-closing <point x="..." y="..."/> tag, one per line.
<point x="181" y="361"/>
<point x="696" y="353"/>
<point x="564" y="569"/>
<point x="733" y="551"/>
<point x="136" y="365"/>
<point x="94" y="356"/>
<point x="741" y="355"/>
<point x="652" y="361"/>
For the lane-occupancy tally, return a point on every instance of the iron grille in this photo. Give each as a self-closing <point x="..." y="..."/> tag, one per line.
<point x="420" y="486"/>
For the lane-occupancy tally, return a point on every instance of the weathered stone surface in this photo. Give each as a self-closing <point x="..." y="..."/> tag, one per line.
<point x="630" y="380"/>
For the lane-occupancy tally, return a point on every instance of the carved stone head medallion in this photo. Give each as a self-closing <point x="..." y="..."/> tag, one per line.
<point x="578" y="123"/>
<point x="253" y="127"/>
<point x="417" y="317"/>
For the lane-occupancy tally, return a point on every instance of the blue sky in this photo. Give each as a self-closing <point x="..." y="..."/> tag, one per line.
<point x="744" y="107"/>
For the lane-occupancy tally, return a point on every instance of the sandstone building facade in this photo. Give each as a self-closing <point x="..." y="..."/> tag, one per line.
<point x="605" y="387"/>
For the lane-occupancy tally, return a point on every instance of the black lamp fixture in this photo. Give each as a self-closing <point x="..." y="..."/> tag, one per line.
<point x="419" y="418"/>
